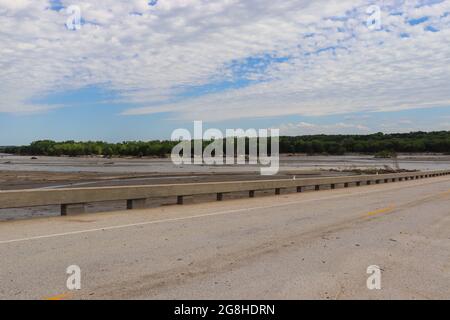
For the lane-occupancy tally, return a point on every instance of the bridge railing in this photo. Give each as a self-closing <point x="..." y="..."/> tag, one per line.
<point x="73" y="200"/>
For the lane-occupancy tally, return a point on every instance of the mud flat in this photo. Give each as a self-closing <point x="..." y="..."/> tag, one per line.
<point x="165" y="166"/>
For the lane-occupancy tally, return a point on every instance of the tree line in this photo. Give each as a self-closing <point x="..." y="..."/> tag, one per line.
<point x="414" y="142"/>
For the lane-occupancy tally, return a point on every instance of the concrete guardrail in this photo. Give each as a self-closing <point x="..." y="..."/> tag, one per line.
<point x="73" y="200"/>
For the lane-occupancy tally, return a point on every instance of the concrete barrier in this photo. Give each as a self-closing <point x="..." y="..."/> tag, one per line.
<point x="73" y="200"/>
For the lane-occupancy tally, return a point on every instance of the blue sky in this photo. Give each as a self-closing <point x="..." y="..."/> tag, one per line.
<point x="137" y="71"/>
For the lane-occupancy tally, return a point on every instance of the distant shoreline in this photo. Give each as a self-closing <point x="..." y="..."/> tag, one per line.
<point x="379" y="144"/>
<point x="168" y="155"/>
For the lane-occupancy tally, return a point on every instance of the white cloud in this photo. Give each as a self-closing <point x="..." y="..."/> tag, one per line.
<point x="151" y="54"/>
<point x="306" y="128"/>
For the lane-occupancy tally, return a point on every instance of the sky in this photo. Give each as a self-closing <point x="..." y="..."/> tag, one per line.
<point x="139" y="69"/>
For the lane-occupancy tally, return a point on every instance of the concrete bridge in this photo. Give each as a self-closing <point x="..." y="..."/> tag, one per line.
<point x="73" y="200"/>
<point x="313" y="245"/>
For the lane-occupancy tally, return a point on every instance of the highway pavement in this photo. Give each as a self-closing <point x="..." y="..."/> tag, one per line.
<point x="312" y="245"/>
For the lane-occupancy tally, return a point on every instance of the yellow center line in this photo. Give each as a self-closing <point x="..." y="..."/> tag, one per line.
<point x="445" y="193"/>
<point x="380" y="211"/>
<point x="392" y="207"/>
<point x="61" y="296"/>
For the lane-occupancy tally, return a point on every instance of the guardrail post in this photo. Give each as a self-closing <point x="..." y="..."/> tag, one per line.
<point x="251" y="194"/>
<point x="136" y="204"/>
<point x="183" y="199"/>
<point x="219" y="196"/>
<point x="76" y="208"/>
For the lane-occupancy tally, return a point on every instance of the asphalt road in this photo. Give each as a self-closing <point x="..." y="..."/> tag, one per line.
<point x="312" y="245"/>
